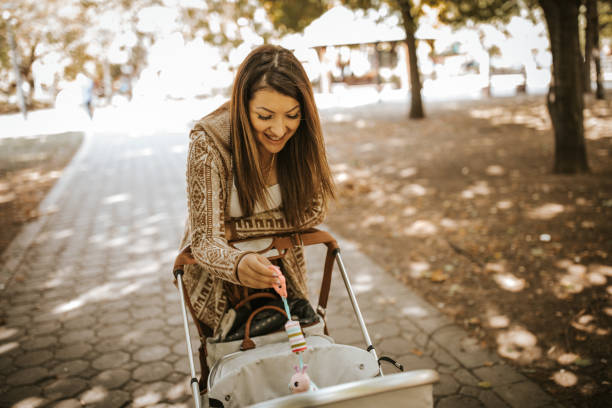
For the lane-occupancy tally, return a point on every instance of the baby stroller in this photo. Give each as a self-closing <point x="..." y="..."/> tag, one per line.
<point x="257" y="374"/>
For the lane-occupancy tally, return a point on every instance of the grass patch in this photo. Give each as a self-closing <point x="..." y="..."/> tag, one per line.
<point x="29" y="167"/>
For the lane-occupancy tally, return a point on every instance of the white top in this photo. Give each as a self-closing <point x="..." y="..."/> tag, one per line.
<point x="274" y="201"/>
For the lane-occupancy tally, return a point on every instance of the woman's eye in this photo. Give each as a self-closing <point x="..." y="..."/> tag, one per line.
<point x="297" y="115"/>
<point x="264" y="117"/>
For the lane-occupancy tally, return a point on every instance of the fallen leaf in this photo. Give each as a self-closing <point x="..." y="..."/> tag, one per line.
<point x="438" y="276"/>
<point x="416" y="352"/>
<point x="565" y="378"/>
<point x="583" y="362"/>
<point x="484" y="384"/>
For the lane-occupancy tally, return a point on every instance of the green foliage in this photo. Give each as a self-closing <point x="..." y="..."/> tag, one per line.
<point x="460" y="12"/>
<point x="605" y="18"/>
<point x="5" y="61"/>
<point x="294" y="16"/>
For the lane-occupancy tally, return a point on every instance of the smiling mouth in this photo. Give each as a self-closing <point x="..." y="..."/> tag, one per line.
<point x="274" y="139"/>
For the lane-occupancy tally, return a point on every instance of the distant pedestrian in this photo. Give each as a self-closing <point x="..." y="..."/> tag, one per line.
<point x="87" y="89"/>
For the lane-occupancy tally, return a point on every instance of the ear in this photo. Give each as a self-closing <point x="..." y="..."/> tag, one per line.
<point x="304" y="368"/>
<point x="296" y="368"/>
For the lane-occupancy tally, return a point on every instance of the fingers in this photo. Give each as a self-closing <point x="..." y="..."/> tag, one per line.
<point x="254" y="272"/>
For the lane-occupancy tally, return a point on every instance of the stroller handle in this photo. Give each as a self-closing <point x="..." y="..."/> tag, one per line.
<point x="282" y="243"/>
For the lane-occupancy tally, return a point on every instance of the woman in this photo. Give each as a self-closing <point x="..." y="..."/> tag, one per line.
<point x="256" y="166"/>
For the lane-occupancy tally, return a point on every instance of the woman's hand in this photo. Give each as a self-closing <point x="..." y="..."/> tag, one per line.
<point x="254" y="272"/>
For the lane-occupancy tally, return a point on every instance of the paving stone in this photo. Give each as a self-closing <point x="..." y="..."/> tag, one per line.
<point x="70" y="368"/>
<point x="113" y="331"/>
<point x="115" y="317"/>
<point x="28" y="376"/>
<point x="499" y="374"/>
<point x="111" y="379"/>
<point x="20" y="310"/>
<point x="25" y="298"/>
<point x="45" y="328"/>
<point x="98" y="397"/>
<point x="182" y="365"/>
<point x="10" y="333"/>
<point x="75" y="336"/>
<point x="150" y="324"/>
<point x="73" y="351"/>
<point x="491" y="399"/>
<point x="39" y="342"/>
<point x="451" y="338"/>
<point x="111" y="360"/>
<point x="458" y="401"/>
<point x="421" y="339"/>
<point x="33" y="358"/>
<point x="384" y="330"/>
<point x="67" y="403"/>
<point x="152" y="353"/>
<point x="59" y="293"/>
<point x="14" y="395"/>
<point x="338" y="321"/>
<point x="178" y="334"/>
<point x="152" y="372"/>
<point x="21" y="321"/>
<point x="470" y="391"/>
<point x="465" y="377"/>
<point x="446" y="386"/>
<point x="395" y="346"/>
<point x="347" y="336"/>
<point x="174" y="320"/>
<point x="150" y="394"/>
<point x="523" y="395"/>
<point x="5" y="363"/>
<point x="171" y="358"/>
<point x="111" y="344"/>
<point x="64" y="388"/>
<point x="80" y="322"/>
<point x="145" y="312"/>
<point x="413" y="362"/>
<point x="444" y="358"/>
<point x="405" y="325"/>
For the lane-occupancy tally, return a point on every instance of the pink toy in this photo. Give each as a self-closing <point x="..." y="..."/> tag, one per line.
<point x="281" y="288"/>
<point x="300" y="381"/>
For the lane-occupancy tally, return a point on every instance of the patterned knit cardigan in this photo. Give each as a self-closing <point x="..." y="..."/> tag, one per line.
<point x="209" y="184"/>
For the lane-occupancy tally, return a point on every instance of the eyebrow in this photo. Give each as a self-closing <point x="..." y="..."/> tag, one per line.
<point x="271" y="111"/>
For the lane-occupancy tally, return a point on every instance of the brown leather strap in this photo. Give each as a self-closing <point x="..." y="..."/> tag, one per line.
<point x="247" y="343"/>
<point x="330" y="257"/>
<point x="253" y="296"/>
<point x="311" y="237"/>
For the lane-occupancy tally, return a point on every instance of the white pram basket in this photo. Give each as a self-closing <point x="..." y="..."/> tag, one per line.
<point x="346" y="376"/>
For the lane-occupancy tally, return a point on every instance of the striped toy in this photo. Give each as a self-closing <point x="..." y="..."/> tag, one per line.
<point x="296" y="337"/>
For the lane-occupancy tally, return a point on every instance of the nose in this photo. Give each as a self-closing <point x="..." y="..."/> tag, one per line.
<point x="278" y="128"/>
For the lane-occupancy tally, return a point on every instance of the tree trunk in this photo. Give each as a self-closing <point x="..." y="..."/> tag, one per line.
<point x="589" y="42"/>
<point x="599" y="92"/>
<point x="565" y="101"/>
<point x="416" y="103"/>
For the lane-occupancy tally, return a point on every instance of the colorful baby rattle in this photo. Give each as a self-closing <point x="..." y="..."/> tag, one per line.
<point x="300" y="381"/>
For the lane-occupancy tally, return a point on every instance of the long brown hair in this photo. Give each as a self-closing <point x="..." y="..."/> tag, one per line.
<point x="303" y="172"/>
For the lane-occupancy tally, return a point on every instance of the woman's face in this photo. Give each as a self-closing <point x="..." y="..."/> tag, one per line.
<point x="275" y="118"/>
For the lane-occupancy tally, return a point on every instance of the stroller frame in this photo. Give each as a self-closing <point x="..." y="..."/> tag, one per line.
<point x="281" y="243"/>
